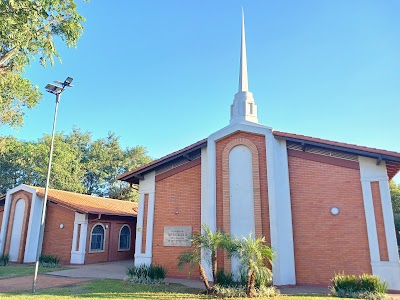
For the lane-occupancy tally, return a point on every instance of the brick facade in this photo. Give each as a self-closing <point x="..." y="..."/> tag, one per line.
<point x="326" y="243"/>
<point x="380" y="225"/>
<point x="59" y="230"/>
<point x="259" y="142"/>
<point x="177" y="203"/>
<point x="58" y="241"/>
<point x="110" y="253"/>
<point x="27" y="197"/>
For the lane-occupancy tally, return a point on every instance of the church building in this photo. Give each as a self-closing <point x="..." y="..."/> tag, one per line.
<point x="323" y="206"/>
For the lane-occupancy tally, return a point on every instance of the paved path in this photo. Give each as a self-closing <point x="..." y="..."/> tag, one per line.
<point x="110" y="270"/>
<point x="24" y="283"/>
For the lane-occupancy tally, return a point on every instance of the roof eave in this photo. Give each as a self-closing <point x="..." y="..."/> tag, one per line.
<point x="371" y="154"/>
<point x="135" y="175"/>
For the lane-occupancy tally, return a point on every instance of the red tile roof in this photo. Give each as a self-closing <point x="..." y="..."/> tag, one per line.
<point x="90" y="204"/>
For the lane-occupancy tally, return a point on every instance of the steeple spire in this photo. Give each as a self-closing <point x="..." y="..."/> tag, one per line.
<point x="243" y="80"/>
<point x="243" y="108"/>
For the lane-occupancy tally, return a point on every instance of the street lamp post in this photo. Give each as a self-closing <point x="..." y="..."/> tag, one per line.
<point x="57" y="90"/>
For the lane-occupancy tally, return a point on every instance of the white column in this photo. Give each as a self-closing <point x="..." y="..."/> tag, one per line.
<point x="206" y="211"/>
<point x="280" y="212"/>
<point x="4" y="223"/>
<point x="32" y="236"/>
<point x="388" y="271"/>
<point x="78" y="250"/>
<point x="146" y="186"/>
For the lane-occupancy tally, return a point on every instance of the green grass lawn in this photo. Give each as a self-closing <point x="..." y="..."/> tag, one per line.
<point x="120" y="290"/>
<point x="17" y="270"/>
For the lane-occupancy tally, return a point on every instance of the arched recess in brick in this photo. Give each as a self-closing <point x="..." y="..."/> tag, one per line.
<point x="27" y="205"/>
<point x="226" y="192"/>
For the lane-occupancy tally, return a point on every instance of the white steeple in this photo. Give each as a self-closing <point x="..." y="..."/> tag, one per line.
<point x="243" y="107"/>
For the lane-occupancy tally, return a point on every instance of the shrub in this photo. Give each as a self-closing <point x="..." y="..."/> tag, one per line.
<point x="4" y="259"/>
<point x="225" y="279"/>
<point x="146" y="274"/>
<point x="240" y="291"/>
<point x="358" y="287"/>
<point x="49" y="261"/>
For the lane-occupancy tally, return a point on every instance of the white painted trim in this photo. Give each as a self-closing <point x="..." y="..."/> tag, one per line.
<point x="119" y="238"/>
<point x="388" y="220"/>
<point x="7" y="208"/>
<point x="32" y="237"/>
<point x="280" y="211"/>
<point x="388" y="271"/>
<point x="205" y="209"/>
<point x="146" y="186"/>
<point x="104" y="238"/>
<point x="370" y="220"/>
<point x="279" y="198"/>
<point x="78" y="256"/>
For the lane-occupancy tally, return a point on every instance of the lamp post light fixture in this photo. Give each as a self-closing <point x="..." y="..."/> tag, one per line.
<point x="56" y="90"/>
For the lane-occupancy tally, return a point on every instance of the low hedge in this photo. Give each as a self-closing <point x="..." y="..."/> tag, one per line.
<point x="358" y="286"/>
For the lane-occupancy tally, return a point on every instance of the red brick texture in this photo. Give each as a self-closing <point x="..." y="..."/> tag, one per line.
<point x="259" y="142"/>
<point x="111" y="252"/>
<point x="58" y="241"/>
<point x="177" y="203"/>
<point x="27" y="197"/>
<point x="380" y="225"/>
<point x="144" y="227"/>
<point x="326" y="243"/>
<point x="1" y="216"/>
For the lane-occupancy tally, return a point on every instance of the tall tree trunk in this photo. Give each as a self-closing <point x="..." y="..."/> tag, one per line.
<point x="214" y="265"/>
<point x="204" y="277"/>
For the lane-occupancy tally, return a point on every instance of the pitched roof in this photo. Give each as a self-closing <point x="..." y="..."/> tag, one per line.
<point x="131" y="176"/>
<point x="336" y="144"/>
<point x="90" y="204"/>
<point x="392" y="158"/>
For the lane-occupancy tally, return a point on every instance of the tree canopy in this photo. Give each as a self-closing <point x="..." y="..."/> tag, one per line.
<point x="395" y="194"/>
<point x="80" y="164"/>
<point x="28" y="29"/>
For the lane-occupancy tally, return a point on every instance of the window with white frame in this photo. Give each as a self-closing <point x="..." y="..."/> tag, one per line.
<point x="124" y="238"/>
<point x="97" y="238"/>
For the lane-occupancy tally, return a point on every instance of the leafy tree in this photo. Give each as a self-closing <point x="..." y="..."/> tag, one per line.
<point x="254" y="255"/>
<point x="395" y="195"/>
<point x="79" y="164"/>
<point x="27" y="30"/>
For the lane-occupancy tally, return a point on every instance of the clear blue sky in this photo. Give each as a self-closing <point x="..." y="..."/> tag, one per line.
<point x="163" y="73"/>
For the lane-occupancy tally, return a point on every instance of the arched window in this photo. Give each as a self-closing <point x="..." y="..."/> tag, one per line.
<point x="97" y="238"/>
<point x="124" y="238"/>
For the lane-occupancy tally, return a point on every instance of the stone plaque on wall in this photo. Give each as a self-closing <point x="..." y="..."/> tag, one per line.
<point x="178" y="236"/>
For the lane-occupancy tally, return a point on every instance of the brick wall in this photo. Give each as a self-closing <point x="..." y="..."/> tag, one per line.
<point x="380" y="225"/>
<point x="27" y="197"/>
<point x="177" y="203"/>
<point x="58" y="241"/>
<point x="111" y="252"/>
<point x="259" y="142"/>
<point x="324" y="243"/>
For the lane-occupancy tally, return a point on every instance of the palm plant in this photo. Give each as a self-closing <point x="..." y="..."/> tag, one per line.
<point x="210" y="242"/>
<point x="193" y="258"/>
<point x="255" y="256"/>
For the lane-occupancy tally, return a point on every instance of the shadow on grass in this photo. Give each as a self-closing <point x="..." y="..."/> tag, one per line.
<point x="114" y="289"/>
